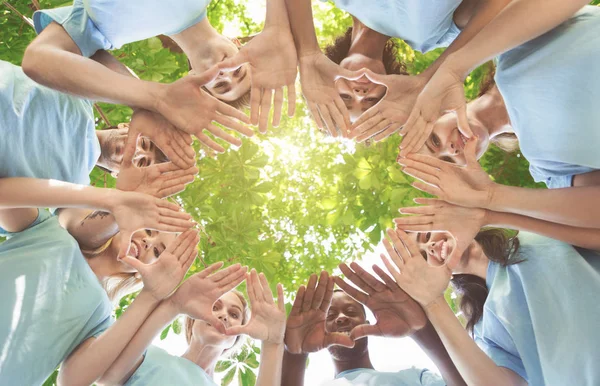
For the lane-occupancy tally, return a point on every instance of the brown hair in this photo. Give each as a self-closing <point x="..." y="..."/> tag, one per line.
<point x="338" y="51"/>
<point x="500" y="248"/>
<point x="120" y="284"/>
<point x="189" y="324"/>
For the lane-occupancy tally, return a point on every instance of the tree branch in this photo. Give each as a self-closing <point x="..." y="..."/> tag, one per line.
<point x="23" y="17"/>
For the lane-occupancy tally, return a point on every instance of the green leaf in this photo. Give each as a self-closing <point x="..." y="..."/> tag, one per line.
<point x="222" y="366"/>
<point x="176" y="326"/>
<point x="228" y="377"/>
<point x="165" y="332"/>
<point x="247" y="377"/>
<point x="251" y="361"/>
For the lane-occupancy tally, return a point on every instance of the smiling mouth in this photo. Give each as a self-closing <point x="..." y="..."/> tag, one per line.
<point x="462" y="140"/>
<point x="444" y="251"/>
<point x="134" y="249"/>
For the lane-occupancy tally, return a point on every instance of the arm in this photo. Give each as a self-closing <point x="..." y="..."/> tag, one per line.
<point x="429" y="341"/>
<point x="16" y="220"/>
<point x="587" y="179"/>
<point x="107" y="60"/>
<point x="474" y="365"/>
<point x="302" y="26"/>
<point x="294" y="367"/>
<point x="520" y="21"/>
<point x="270" y="370"/>
<point x="91" y="228"/>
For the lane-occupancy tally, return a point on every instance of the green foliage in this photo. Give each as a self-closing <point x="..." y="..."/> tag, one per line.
<point x="244" y="363"/>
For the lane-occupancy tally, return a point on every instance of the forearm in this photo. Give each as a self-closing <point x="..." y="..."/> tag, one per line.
<point x="53" y="60"/>
<point x="473" y="364"/>
<point x="582" y="237"/>
<point x="576" y="207"/>
<point x="428" y="339"/>
<point x="269" y="372"/>
<point x="277" y="13"/>
<point x="520" y="21"/>
<point x="86" y="364"/>
<point x="302" y="25"/>
<point x="91" y="228"/>
<point x="23" y="192"/>
<point x="107" y="60"/>
<point x="484" y="12"/>
<point x="131" y="357"/>
<point x="293" y="368"/>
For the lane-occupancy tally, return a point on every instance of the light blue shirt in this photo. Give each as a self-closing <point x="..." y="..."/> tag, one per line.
<point x="422" y="24"/>
<point x="160" y="368"/>
<point x="541" y="316"/>
<point x="370" y="377"/>
<point x="44" y="133"/>
<point x="109" y="24"/>
<point x="551" y="89"/>
<point x="51" y="301"/>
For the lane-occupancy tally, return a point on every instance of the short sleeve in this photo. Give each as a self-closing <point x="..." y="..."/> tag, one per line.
<point x="78" y="25"/>
<point x="501" y="357"/>
<point x="42" y="216"/>
<point x="429" y="378"/>
<point x="101" y="327"/>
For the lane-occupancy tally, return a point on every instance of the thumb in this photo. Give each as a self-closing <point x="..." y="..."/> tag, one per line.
<point x="130" y="148"/>
<point x="235" y="330"/>
<point x="363" y="330"/>
<point x="427" y="201"/>
<point x="206" y="76"/>
<point x="234" y="62"/>
<point x="216" y="323"/>
<point x="375" y="77"/>
<point x="471" y="150"/>
<point x="133" y="263"/>
<point x="125" y="244"/>
<point x="455" y="256"/>
<point x="463" y="122"/>
<point x="338" y="339"/>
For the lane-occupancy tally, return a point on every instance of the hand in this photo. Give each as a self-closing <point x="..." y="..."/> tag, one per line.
<point x="134" y="211"/>
<point x="176" y="144"/>
<point x="396" y="313"/>
<point x="444" y="92"/>
<point x="267" y="321"/>
<point x="305" y="331"/>
<point x="317" y="78"/>
<point x="197" y="295"/>
<point x="469" y="186"/>
<point x="193" y="110"/>
<point x="158" y="180"/>
<point x="390" y="113"/>
<point x="273" y="65"/>
<point x="439" y="216"/>
<point x="162" y="276"/>
<point x="421" y="281"/>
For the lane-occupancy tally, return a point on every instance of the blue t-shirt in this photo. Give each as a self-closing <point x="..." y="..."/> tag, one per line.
<point x="370" y="377"/>
<point x="551" y="89"/>
<point x="51" y="301"/>
<point x="109" y="24"/>
<point x="541" y="316"/>
<point x="422" y="24"/>
<point x="161" y="368"/>
<point x="44" y="133"/>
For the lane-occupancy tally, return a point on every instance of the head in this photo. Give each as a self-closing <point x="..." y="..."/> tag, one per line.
<point x="146" y="246"/>
<point x="112" y="146"/>
<point x="232" y="309"/>
<point x="361" y="94"/>
<point x="343" y="315"/>
<point x="231" y="87"/>
<point x="492" y="244"/>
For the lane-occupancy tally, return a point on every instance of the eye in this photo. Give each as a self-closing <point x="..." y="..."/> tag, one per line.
<point x="424" y="254"/>
<point x="435" y="140"/>
<point x="372" y="99"/>
<point x="220" y="84"/>
<point x="148" y="232"/>
<point x="156" y="252"/>
<point x="331" y="316"/>
<point x="215" y="308"/>
<point x="142" y="162"/>
<point x="346" y="97"/>
<point x="427" y="236"/>
<point x="234" y="315"/>
<point x="237" y="72"/>
<point x="447" y="159"/>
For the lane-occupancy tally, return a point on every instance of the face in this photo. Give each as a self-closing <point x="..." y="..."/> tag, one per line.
<point x="447" y="143"/>
<point x="344" y="314"/>
<point x="229" y="85"/>
<point x="230" y="310"/>
<point x="359" y="95"/>
<point x="146" y="153"/>
<point x="146" y="246"/>
<point x="436" y="247"/>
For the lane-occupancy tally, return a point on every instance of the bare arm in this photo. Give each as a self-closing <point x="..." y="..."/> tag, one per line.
<point x="91" y="228"/>
<point x="587" y="179"/>
<point x="302" y="26"/>
<point x="270" y="370"/>
<point x="107" y="60"/>
<point x="294" y="366"/>
<point x="16" y="220"/>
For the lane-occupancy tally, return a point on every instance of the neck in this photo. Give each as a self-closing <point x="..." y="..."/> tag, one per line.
<point x="367" y="42"/>
<point x="103" y="136"/>
<point x="204" y="356"/>
<point x="477" y="263"/>
<point x="362" y="362"/>
<point x="490" y="110"/>
<point x="195" y="40"/>
<point x="104" y="264"/>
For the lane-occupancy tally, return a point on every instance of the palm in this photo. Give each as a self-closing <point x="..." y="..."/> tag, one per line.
<point x="396" y="313"/>
<point x="306" y="332"/>
<point x="135" y="211"/>
<point x="425" y="283"/>
<point x="161" y="277"/>
<point x="465" y="185"/>
<point x="267" y="324"/>
<point x="195" y="297"/>
<point x="444" y="92"/>
<point x="317" y="77"/>
<point x="141" y="180"/>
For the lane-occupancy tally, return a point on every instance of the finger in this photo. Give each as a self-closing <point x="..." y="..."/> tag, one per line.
<point x="310" y="292"/>
<point x="237" y="330"/>
<point x="254" y="295"/>
<point x="225" y="273"/>
<point x="363" y="330"/>
<point x="277" y="106"/>
<point x="463" y="122"/>
<point x="471" y="151"/>
<point x="320" y="291"/>
<point x="217" y="132"/>
<point x="190" y="255"/>
<point x="265" y="109"/>
<point x="280" y="297"/>
<point x="166" y="167"/>
<point x="345" y="114"/>
<point x="398" y="244"/>
<point x="392" y="252"/>
<point x="256" y="95"/>
<point x="365" y="117"/>
<point x="180" y="243"/>
<point x="354" y="278"/>
<point x="170" y="191"/>
<point x="419" y="140"/>
<point x="233" y="63"/>
<point x="133" y="263"/>
<point x="338" y="119"/>
<point x="234" y="125"/>
<point x="415" y="227"/>
<point x="298" y="301"/>
<point x="210" y="269"/>
<point x="367" y="277"/>
<point x="428" y="201"/>
<point x="425" y="210"/>
<point x="421" y="166"/>
<point x="266" y="289"/>
<point x="172" y="209"/>
<point x="390" y="283"/>
<point x="366" y="125"/>
<point x="338" y="339"/>
<point x="412" y="247"/>
<point x="455" y="257"/>
<point x="328" y="295"/>
<point x="428" y="160"/>
<point x="390" y="267"/>
<point x="427" y="188"/>
<point x="207" y="141"/>
<point x="216" y="323"/>
<point x="314" y="111"/>
<point x="391" y="129"/>
<point x="232" y="112"/>
<point x="347" y="288"/>
<point x="375" y="130"/>
<point x="324" y="110"/>
<point x="291" y="100"/>
<point x="125" y="243"/>
<point x="236" y="279"/>
<point x="419" y="175"/>
<point x="208" y="75"/>
<point x="130" y="148"/>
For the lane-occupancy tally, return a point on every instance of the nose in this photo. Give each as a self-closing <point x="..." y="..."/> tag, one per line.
<point x="341" y="319"/>
<point x="435" y="247"/>
<point x="452" y="148"/>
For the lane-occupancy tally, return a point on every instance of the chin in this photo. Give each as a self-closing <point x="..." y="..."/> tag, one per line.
<point x="341" y="353"/>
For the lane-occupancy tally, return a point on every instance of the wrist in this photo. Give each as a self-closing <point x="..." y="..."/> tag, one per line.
<point x="156" y="98"/>
<point x="455" y="64"/>
<point x="146" y="297"/>
<point x="435" y="306"/>
<point x="106" y="199"/>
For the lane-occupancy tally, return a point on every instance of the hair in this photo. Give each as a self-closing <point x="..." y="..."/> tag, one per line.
<point x="117" y="285"/>
<point x="500" y="248"/>
<point x="338" y="51"/>
<point x="189" y="324"/>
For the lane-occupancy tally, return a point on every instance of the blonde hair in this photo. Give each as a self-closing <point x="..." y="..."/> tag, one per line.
<point x="117" y="285"/>
<point x="506" y="141"/>
<point x="189" y="324"/>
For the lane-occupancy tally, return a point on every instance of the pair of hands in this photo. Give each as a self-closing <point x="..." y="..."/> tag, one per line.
<point x="396" y="313"/>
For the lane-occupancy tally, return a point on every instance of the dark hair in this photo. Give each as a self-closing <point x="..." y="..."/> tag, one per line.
<point x="500" y="248"/>
<point x="337" y="51"/>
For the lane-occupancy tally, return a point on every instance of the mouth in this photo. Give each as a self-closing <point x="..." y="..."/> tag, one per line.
<point x="344" y="330"/>
<point x="462" y="140"/>
<point x="444" y="251"/>
<point x="134" y="249"/>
